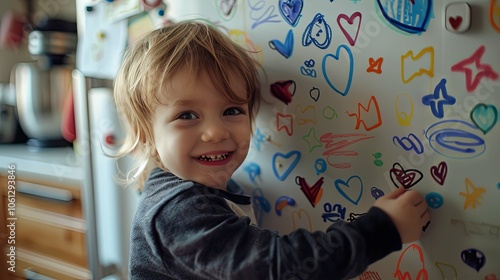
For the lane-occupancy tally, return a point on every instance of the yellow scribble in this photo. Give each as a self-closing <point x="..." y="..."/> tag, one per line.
<point x="404" y="118"/>
<point x="305" y="115"/>
<point x="473" y="194"/>
<point x="430" y="69"/>
<point x="494" y="15"/>
<point x="300" y="218"/>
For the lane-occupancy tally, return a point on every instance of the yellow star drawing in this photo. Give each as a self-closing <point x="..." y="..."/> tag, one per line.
<point x="473" y="194"/>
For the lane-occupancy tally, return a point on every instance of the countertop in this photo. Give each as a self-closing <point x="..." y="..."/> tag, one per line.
<point x="59" y="165"/>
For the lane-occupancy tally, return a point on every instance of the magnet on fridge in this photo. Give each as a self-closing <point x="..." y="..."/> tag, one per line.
<point x="457" y="17"/>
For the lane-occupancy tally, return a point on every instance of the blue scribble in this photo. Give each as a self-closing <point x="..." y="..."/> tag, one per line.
<point x="333" y="213"/>
<point x="260" y="14"/>
<point x="318" y="32"/>
<point x="409" y="143"/>
<point x="456" y="139"/>
<point x="410" y="16"/>
<point x="258" y="139"/>
<point x="253" y="171"/>
<point x="290" y="10"/>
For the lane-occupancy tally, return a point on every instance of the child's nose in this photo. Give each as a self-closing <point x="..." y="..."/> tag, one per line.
<point x="214" y="132"/>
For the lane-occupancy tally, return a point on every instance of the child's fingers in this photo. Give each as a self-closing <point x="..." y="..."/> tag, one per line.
<point x="413" y="197"/>
<point x="396" y="193"/>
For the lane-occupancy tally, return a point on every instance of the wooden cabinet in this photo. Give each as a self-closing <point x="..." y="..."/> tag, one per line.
<point x="49" y="230"/>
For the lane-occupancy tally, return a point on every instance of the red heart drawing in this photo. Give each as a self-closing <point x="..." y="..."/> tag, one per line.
<point x="283" y="90"/>
<point x="439" y="172"/>
<point x="404" y="178"/>
<point x="313" y="193"/>
<point x="455" y="22"/>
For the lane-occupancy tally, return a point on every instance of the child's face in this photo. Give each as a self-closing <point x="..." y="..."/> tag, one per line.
<point x="199" y="134"/>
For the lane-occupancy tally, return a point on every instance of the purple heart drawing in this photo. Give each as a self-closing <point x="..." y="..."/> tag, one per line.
<point x="473" y="258"/>
<point x="290" y="10"/>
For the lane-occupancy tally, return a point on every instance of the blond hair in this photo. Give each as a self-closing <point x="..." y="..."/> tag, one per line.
<point x="156" y="58"/>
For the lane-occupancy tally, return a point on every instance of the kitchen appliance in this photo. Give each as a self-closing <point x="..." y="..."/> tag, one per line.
<point x="10" y="130"/>
<point x="43" y="87"/>
<point x="40" y="98"/>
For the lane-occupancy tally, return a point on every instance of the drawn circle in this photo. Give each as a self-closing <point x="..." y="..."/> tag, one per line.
<point x="434" y="200"/>
<point x="329" y="113"/>
<point x="455" y="139"/>
<point x="320" y="166"/>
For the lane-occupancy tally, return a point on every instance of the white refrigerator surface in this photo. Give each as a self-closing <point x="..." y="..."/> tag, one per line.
<point x="363" y="97"/>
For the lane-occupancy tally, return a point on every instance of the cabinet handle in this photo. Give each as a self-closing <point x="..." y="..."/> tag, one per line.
<point x="44" y="191"/>
<point x="30" y="274"/>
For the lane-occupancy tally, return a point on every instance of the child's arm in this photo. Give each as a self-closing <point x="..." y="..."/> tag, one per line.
<point x="198" y="231"/>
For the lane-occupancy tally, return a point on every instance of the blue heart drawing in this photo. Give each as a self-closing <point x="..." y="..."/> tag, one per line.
<point x="286" y="48"/>
<point x="341" y="185"/>
<point x="411" y="16"/>
<point x="336" y="56"/>
<point x="296" y="158"/>
<point x="484" y="117"/>
<point x="290" y="10"/>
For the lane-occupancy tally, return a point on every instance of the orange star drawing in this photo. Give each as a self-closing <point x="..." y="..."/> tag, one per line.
<point x="375" y="66"/>
<point x="473" y="194"/>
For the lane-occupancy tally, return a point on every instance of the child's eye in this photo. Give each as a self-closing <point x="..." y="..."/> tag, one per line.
<point x="233" y="111"/>
<point x="187" y="116"/>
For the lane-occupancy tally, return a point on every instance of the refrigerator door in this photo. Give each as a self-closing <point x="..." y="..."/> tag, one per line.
<point x="363" y="97"/>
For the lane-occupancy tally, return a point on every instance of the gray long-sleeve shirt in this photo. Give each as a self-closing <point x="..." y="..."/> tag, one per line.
<point x="183" y="230"/>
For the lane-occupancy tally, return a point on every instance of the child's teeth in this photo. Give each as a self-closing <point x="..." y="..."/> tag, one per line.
<point x="213" y="157"/>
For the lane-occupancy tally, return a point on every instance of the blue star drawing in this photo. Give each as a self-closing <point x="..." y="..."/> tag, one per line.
<point x="438" y="99"/>
<point x="258" y="139"/>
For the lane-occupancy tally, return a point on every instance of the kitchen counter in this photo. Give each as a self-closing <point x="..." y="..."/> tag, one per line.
<point x="57" y="165"/>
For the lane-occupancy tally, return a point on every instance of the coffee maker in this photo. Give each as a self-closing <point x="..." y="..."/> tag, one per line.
<point x="43" y="87"/>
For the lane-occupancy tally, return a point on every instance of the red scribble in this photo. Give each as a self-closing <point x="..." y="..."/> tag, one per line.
<point x="375" y="66"/>
<point x="405" y="275"/>
<point x="359" y="118"/>
<point x="483" y="70"/>
<point x="370" y="275"/>
<point x="332" y="140"/>
<point x="280" y="124"/>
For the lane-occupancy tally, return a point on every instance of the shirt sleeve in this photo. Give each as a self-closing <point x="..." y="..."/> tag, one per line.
<point x="199" y="232"/>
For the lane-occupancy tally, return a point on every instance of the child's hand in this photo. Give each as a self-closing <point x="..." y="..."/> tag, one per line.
<point x="408" y="210"/>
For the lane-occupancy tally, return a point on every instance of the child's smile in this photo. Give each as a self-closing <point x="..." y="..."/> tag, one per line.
<point x="201" y="135"/>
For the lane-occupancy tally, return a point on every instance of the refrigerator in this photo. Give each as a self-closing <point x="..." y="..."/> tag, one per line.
<point x="361" y="97"/>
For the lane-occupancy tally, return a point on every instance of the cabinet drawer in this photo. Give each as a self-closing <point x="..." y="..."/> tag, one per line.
<point x="54" y="199"/>
<point x="29" y="263"/>
<point x="51" y="234"/>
